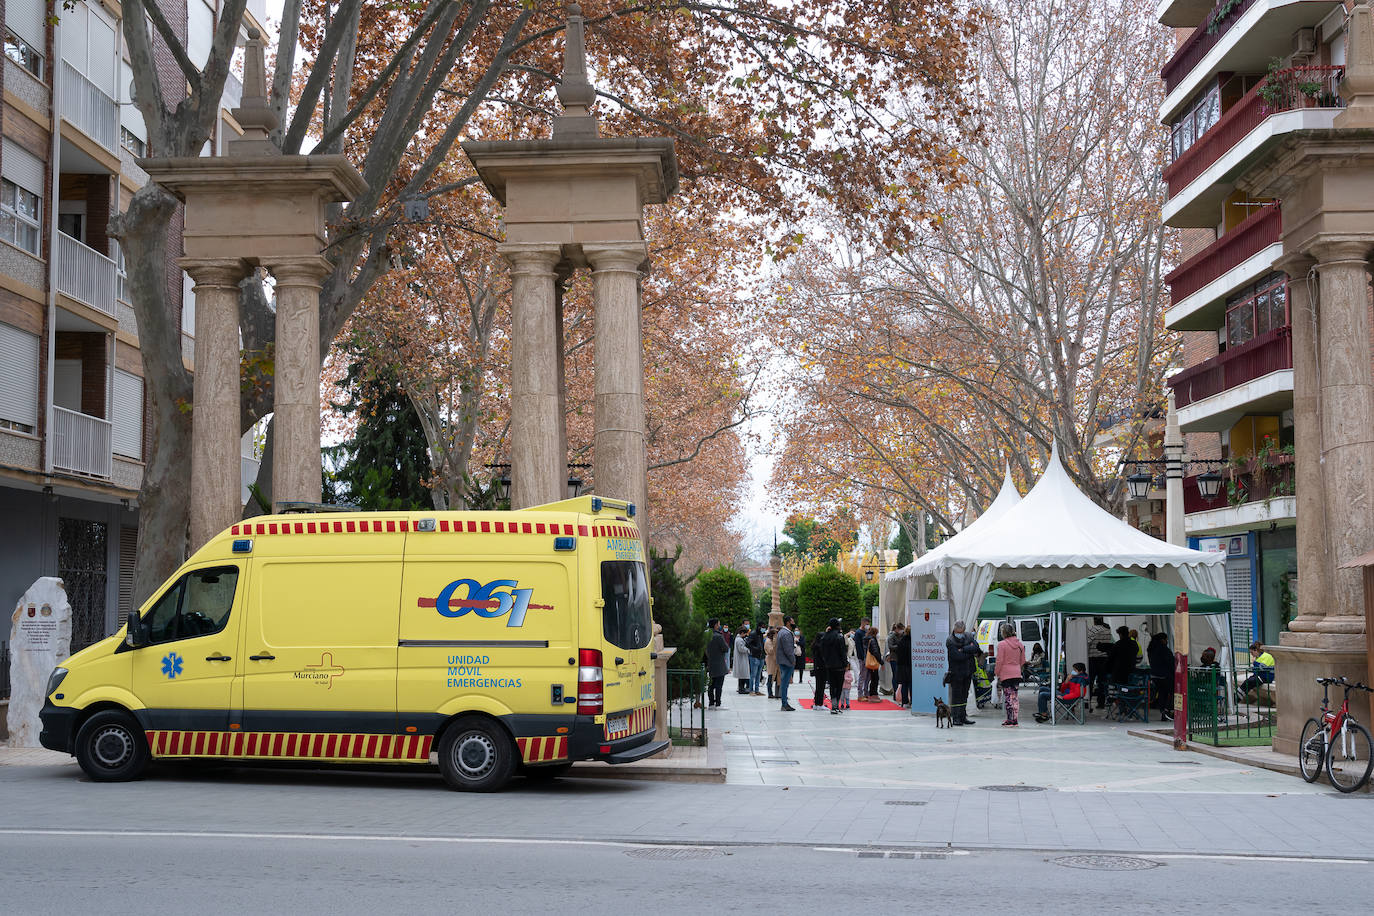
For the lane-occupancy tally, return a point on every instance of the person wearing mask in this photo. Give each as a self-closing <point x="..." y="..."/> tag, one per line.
<point x="801" y="653"/>
<point x="835" y="655"/>
<point x="1262" y="672"/>
<point x="961" y="649"/>
<point x="856" y="660"/>
<point x="756" y="660"/>
<point x="873" y="664"/>
<point x="787" y="660"/>
<point x="1099" y="634"/>
<point x="770" y="655"/>
<point x="1011" y="658"/>
<point x="1121" y="656"/>
<point x="818" y="670"/>
<point x="1162" y="674"/>
<point x="1139" y="652"/>
<point x="717" y="662"/>
<point x="901" y="668"/>
<point x="741" y="665"/>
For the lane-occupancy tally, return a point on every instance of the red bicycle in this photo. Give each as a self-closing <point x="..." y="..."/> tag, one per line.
<point x="1337" y="741"/>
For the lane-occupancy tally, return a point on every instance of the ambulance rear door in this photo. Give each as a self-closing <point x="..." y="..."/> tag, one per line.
<point x="623" y="620"/>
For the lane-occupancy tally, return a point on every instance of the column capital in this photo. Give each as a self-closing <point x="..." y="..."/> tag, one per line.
<point x="300" y="271"/>
<point x="1295" y="264"/>
<point x="206" y="272"/>
<point x="532" y="259"/>
<point x="629" y="257"/>
<point x="1330" y="250"/>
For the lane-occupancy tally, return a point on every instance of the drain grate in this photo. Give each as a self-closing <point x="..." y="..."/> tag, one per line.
<point x="872" y="855"/>
<point x="1106" y="863"/>
<point x="1018" y="788"/>
<point x="673" y="852"/>
<point x="1183" y="763"/>
<point x="779" y="763"/>
<point x="877" y="854"/>
<point x="914" y="804"/>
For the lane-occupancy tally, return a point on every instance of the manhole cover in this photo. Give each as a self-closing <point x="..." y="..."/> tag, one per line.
<point x="1106" y="863"/>
<point x="673" y="852"/>
<point x="914" y="804"/>
<point x="778" y="763"/>
<point x="1012" y="788"/>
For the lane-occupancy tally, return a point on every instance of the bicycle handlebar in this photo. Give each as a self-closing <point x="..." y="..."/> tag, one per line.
<point x="1342" y="682"/>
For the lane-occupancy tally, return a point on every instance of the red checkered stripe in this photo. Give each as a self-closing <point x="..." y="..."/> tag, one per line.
<point x="378" y="526"/>
<point x="295" y="745"/>
<point x="615" y="531"/>
<point x="640" y="720"/>
<point x="543" y="750"/>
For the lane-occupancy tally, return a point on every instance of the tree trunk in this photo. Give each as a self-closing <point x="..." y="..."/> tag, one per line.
<point x="164" y="510"/>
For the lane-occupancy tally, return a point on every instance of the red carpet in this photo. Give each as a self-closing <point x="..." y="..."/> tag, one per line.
<point x="857" y="705"/>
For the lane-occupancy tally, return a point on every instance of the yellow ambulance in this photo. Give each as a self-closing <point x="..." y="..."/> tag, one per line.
<point x="502" y="642"/>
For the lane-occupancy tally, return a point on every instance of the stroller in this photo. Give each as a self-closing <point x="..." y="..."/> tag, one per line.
<point x="982" y="686"/>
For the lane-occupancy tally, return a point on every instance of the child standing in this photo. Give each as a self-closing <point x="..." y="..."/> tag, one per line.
<point x="848" y="685"/>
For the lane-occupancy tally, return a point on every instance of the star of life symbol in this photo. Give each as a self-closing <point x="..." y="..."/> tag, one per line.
<point x="171" y="665"/>
<point x="326" y="669"/>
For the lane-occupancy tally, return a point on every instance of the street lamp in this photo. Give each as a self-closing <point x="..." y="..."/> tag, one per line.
<point x="575" y="480"/>
<point x="868" y="575"/>
<point x="1139" y="483"/>
<point x="1209" y="485"/>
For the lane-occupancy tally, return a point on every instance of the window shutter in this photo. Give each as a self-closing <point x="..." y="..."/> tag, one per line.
<point x="18" y="376"/>
<point x="128" y="550"/>
<point x="25" y="18"/>
<point x="22" y="167"/>
<point x="127" y="416"/>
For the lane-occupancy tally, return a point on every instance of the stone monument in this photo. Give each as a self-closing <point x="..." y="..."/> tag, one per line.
<point x="40" y="640"/>
<point x="249" y="209"/>
<point x="576" y="200"/>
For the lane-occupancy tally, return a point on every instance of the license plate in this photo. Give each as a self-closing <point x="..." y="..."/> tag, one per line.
<point x="617" y="724"/>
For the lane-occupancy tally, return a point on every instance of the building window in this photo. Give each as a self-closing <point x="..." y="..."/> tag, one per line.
<point x="1196" y="120"/>
<point x="130" y="142"/>
<point x="23" y="54"/>
<point x="19" y="216"/>
<point x="1257" y="309"/>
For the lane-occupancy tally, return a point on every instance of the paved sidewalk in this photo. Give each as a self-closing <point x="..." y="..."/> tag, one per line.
<point x="765" y="746"/>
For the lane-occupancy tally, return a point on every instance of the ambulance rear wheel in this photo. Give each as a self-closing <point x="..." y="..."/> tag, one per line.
<point x="110" y="747"/>
<point x="476" y="755"/>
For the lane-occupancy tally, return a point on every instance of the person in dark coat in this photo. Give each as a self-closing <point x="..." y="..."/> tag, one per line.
<point x="835" y="654"/>
<point x="1121" y="656"/>
<point x="961" y="650"/>
<point x="872" y="646"/>
<point x="818" y="672"/>
<point x="717" y="661"/>
<point x="1162" y="674"/>
<point x="901" y="667"/>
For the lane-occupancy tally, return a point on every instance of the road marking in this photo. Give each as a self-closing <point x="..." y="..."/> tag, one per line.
<point x="1257" y="857"/>
<point x="366" y="837"/>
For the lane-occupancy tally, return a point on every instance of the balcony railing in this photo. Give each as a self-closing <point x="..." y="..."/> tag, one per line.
<point x="89" y="109"/>
<point x="1294" y="88"/>
<point x="1192" y="51"/>
<point x="80" y="443"/>
<point x="1269" y="352"/>
<point x="1258" y="231"/>
<point x="85" y="274"/>
<point x="1250" y="482"/>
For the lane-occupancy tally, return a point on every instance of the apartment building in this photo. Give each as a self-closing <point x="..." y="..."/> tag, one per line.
<point x="72" y="410"/>
<point x="1246" y="74"/>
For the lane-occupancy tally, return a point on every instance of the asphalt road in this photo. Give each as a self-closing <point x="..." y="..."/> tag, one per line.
<point x="116" y="873"/>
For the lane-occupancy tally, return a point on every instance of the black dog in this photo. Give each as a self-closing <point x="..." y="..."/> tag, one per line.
<point x="942" y="714"/>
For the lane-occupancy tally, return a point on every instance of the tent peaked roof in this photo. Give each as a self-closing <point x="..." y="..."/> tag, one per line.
<point x="1116" y="592"/>
<point x="1056" y="525"/>
<point x="995" y="604"/>
<point x="1006" y="500"/>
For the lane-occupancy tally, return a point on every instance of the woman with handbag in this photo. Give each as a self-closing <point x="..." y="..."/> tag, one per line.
<point x="873" y="663"/>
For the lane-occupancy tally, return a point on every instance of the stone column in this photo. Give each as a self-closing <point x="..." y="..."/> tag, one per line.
<point x="564" y="271"/>
<point x="215" y="472"/>
<point x="538" y="467"/>
<point x="620" y="458"/>
<point x="296" y="381"/>
<point x="1313" y="599"/>
<point x="774" y="569"/>
<point x="1346" y="409"/>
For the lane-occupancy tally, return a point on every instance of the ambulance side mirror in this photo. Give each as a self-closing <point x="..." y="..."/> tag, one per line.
<point x="134" y="636"/>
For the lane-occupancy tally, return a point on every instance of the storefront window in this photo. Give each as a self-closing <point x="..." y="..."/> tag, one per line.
<point x="1278" y="578"/>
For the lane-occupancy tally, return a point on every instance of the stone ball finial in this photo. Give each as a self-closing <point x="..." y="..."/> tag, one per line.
<point x="253" y="34"/>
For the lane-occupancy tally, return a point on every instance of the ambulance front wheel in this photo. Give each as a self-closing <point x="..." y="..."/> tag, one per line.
<point x="110" y="747"/>
<point x="476" y="755"/>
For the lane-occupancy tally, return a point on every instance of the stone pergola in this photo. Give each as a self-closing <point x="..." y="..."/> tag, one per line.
<point x="572" y="201"/>
<point x="254" y="208"/>
<point x="1325" y="182"/>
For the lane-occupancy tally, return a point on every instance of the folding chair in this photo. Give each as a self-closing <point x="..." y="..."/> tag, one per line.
<point x="1075" y="710"/>
<point x="1131" y="701"/>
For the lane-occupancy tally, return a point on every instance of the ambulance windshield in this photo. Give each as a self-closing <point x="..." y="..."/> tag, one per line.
<point x="625" y="620"/>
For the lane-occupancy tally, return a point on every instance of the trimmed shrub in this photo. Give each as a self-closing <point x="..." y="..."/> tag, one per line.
<point x="787" y="598"/>
<point x="868" y="600"/>
<point x="725" y="593"/>
<point x="672" y="611"/>
<point x="826" y="592"/>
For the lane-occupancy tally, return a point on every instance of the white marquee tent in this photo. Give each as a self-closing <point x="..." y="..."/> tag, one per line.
<point x="1056" y="533"/>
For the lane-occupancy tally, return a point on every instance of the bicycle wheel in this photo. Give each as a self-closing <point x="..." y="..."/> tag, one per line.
<point x="1311" y="750"/>
<point x="1350" y="758"/>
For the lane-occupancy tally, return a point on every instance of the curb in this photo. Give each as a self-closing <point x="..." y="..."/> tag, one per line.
<point x="1221" y="753"/>
<point x="661" y="769"/>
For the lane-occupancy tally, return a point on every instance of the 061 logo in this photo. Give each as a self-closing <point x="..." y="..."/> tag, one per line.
<point x="496" y="598"/>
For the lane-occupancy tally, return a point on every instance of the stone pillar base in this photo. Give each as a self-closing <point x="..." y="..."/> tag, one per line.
<point x="661" y="697"/>
<point x="1299" y="695"/>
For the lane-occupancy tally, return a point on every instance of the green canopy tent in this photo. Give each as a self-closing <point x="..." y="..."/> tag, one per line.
<point x="1113" y="593"/>
<point x="995" y="604"/>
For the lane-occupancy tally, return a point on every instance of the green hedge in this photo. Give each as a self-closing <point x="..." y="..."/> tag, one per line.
<point x="826" y="592"/>
<point x="725" y="593"/>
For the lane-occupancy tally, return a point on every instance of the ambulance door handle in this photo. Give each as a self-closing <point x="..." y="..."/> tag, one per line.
<point x="219" y="658"/>
<point x="261" y="658"/>
<point x="619" y="660"/>
<point x="642" y="672"/>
